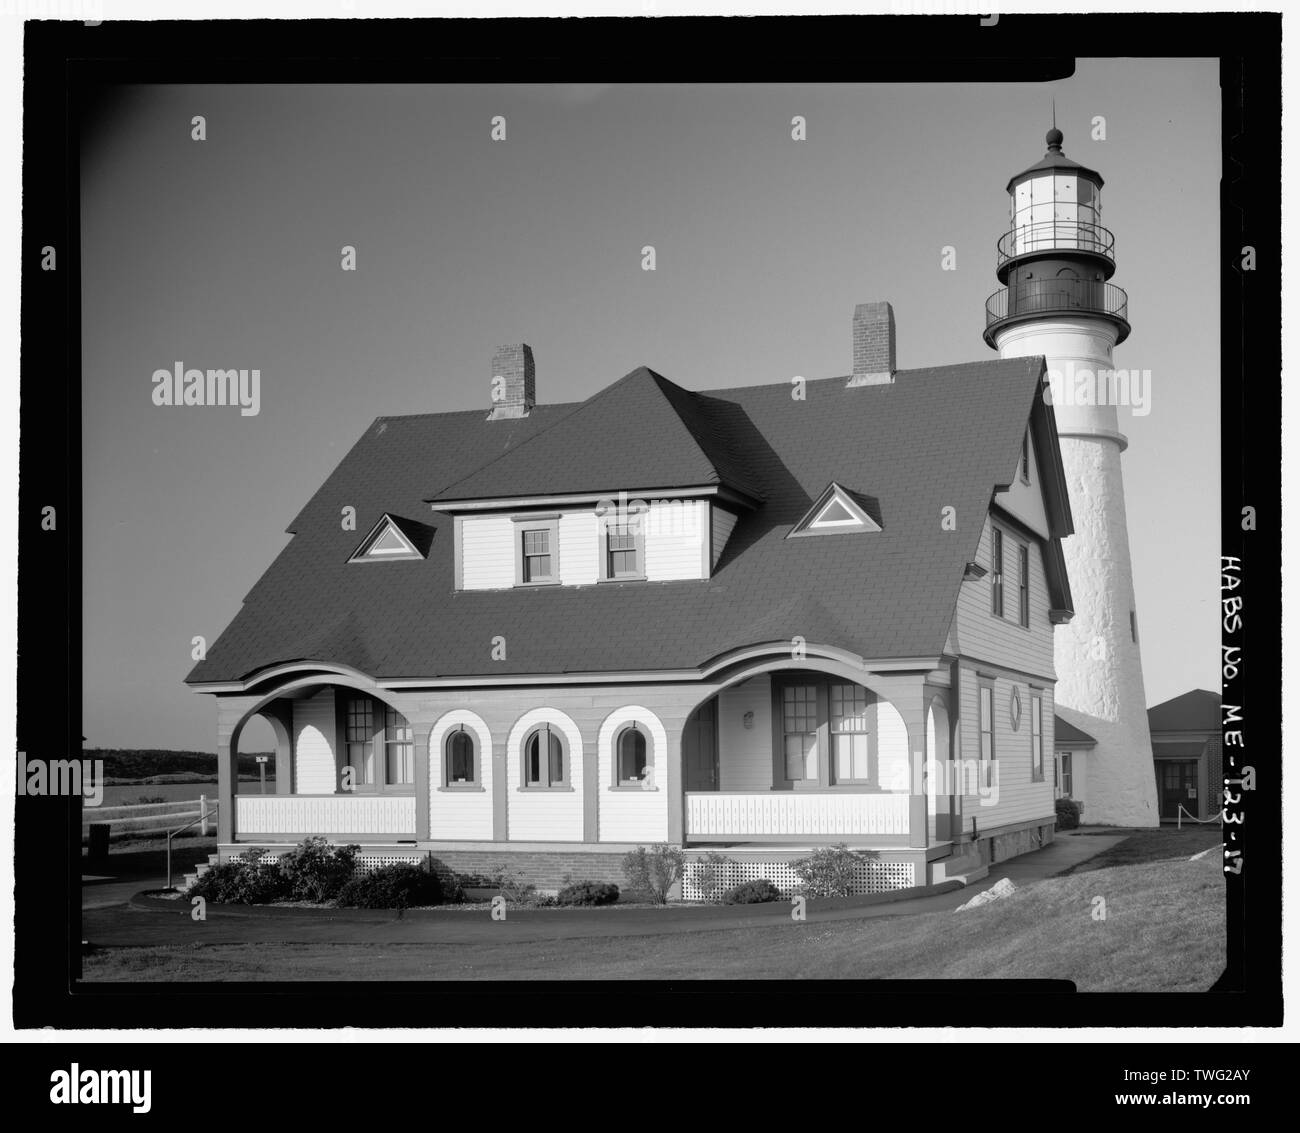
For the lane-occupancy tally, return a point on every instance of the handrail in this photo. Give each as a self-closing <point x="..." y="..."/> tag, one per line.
<point x="1047" y="235"/>
<point x="180" y="829"/>
<point x="1042" y="296"/>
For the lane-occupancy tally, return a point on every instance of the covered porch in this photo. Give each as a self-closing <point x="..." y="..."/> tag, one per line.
<point x="820" y="755"/>
<point x="345" y="768"/>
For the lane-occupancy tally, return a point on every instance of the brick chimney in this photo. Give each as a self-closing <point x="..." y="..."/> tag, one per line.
<point x="513" y="383"/>
<point x="873" y="345"/>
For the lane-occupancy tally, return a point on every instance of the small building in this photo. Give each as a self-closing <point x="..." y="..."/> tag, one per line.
<point x="1071" y="774"/>
<point x="1187" y="745"/>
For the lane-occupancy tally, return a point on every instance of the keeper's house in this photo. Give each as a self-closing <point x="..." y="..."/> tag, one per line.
<point x="755" y="620"/>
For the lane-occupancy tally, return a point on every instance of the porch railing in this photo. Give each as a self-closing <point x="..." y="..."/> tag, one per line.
<point x="729" y="814"/>
<point x="324" y="814"/>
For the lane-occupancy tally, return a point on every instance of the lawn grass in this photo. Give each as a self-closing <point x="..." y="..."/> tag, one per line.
<point x="1163" y="930"/>
<point x="1160" y="844"/>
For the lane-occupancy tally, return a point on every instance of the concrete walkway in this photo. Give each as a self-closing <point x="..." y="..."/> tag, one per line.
<point x="109" y="920"/>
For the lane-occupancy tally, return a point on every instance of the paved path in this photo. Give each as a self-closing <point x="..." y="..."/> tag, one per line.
<point x="108" y="919"/>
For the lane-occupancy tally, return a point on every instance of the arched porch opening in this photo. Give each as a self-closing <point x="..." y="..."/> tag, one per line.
<point x="805" y="751"/>
<point x="345" y="765"/>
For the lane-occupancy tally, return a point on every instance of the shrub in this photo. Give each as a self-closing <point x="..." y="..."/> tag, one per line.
<point x="402" y="885"/>
<point x="588" y="893"/>
<point x="244" y="880"/>
<point x="707" y="874"/>
<point x="751" y="893"/>
<point x="512" y="886"/>
<point x="654" y="870"/>
<point x="316" y="869"/>
<point x="827" y="872"/>
<point x="148" y="800"/>
<point x="1067" y="814"/>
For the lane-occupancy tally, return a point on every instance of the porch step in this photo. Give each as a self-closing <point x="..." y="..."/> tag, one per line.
<point x="966" y="868"/>
<point x="187" y="883"/>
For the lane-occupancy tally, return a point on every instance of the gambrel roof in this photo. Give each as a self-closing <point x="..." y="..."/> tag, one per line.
<point x="934" y="438"/>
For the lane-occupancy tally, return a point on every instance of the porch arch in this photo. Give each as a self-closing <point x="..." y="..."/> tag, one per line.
<point x="897" y="816"/>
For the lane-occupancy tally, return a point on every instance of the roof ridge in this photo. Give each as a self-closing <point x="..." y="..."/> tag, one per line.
<point x="578" y="408"/>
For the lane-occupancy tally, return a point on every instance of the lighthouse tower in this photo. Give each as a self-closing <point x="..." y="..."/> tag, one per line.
<point x="1055" y="263"/>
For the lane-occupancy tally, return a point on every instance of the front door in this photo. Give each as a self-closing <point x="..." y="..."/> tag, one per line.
<point x="700" y="748"/>
<point x="1178" y="787"/>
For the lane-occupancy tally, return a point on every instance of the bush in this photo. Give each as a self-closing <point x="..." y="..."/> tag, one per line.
<point x="751" y="893"/>
<point x="588" y="893"/>
<point x="512" y="886"/>
<point x="653" y="871"/>
<point x="149" y="800"/>
<point x="827" y="872"/>
<point x="707" y="874"/>
<point x="403" y="885"/>
<point x="244" y="880"/>
<point x="1067" y="814"/>
<point x="316" y="869"/>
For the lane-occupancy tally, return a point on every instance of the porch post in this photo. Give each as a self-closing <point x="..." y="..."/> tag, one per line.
<point x="906" y="692"/>
<point x="227" y="778"/>
<point x="230" y="723"/>
<point x="425" y="769"/>
<point x="673" y="783"/>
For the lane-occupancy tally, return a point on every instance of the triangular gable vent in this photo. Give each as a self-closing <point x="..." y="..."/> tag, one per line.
<point x="836" y="512"/>
<point x="385" y="541"/>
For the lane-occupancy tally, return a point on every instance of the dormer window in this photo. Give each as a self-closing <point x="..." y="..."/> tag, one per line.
<point x="622" y="547"/>
<point x="537" y="550"/>
<point x="836" y="511"/>
<point x="387" y="541"/>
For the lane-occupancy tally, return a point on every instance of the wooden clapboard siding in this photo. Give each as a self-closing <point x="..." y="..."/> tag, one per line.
<point x="894" y="766"/>
<point x="1025" y="501"/>
<point x="315" y="767"/>
<point x="628" y="814"/>
<point x="579" y="548"/>
<point x="487" y="552"/>
<point x="1019" y="797"/>
<point x="984" y="636"/>
<point x="745" y="754"/>
<point x="459" y="814"/>
<point x="674" y="540"/>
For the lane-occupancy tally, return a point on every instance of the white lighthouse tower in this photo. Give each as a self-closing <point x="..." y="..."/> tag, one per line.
<point x="1055" y="263"/>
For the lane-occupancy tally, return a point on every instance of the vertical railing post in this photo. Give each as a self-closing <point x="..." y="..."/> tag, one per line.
<point x="203" y="810"/>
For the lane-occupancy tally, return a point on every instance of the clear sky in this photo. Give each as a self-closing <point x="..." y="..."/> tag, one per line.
<point x="226" y="253"/>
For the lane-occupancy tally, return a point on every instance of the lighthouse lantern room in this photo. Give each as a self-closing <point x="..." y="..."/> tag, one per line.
<point x="1056" y="257"/>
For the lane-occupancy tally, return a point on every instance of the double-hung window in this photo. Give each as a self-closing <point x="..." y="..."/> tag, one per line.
<point x="399" y="750"/>
<point x="988" y="735"/>
<point x="799" y="728"/>
<point x="537" y="550"/>
<point x="622" y="546"/>
<point x="1023" y="579"/>
<point x="850" y="733"/>
<point x="361" y="743"/>
<point x="996" y="575"/>
<point x="1036" y="736"/>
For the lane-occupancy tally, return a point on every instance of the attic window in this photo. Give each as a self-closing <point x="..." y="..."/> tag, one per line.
<point x="836" y="512"/>
<point x="1024" y="458"/>
<point x="385" y="541"/>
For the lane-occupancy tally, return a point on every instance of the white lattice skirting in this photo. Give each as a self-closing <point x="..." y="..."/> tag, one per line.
<point x="366" y="861"/>
<point x="869" y="876"/>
